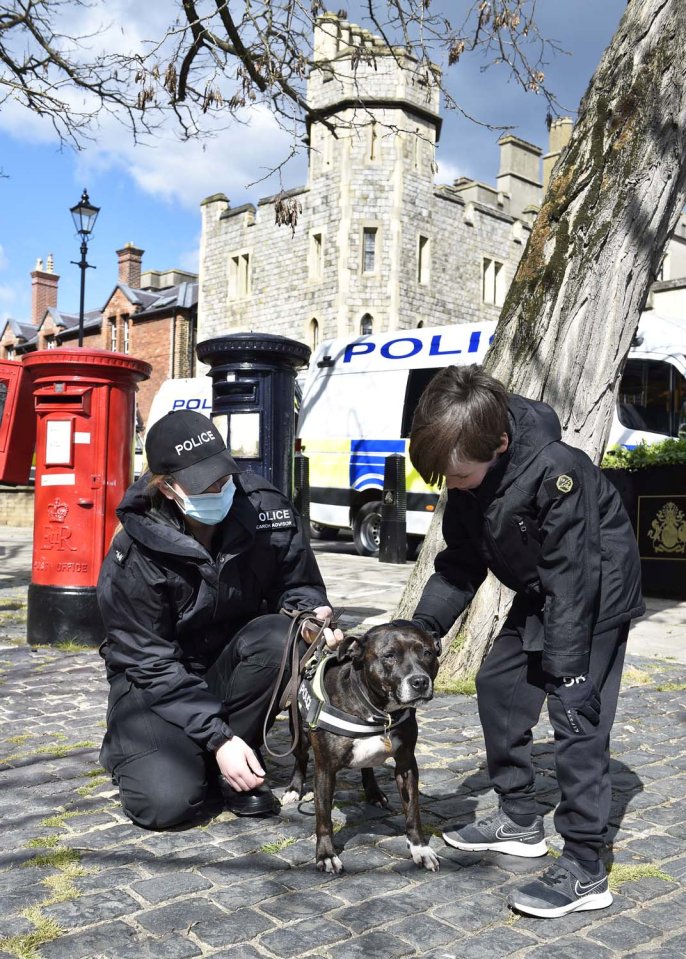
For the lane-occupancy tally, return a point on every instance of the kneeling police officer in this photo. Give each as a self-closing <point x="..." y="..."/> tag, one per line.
<point x="192" y="594"/>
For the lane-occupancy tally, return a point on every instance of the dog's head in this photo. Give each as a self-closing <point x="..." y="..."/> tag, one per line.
<point x="398" y="661"/>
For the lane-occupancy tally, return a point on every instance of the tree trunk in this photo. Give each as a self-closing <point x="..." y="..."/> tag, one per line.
<point x="614" y="198"/>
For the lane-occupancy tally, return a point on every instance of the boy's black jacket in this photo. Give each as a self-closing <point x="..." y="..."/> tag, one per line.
<point x="170" y="608"/>
<point x="549" y="525"/>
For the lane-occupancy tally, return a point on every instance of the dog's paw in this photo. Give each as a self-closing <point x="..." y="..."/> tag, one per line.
<point x="330" y="864"/>
<point x="378" y="799"/>
<point x="293" y="796"/>
<point x="424" y="856"/>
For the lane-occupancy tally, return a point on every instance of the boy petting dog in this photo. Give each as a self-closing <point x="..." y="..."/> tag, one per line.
<point x="550" y="526"/>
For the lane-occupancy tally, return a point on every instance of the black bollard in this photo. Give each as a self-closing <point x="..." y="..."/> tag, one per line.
<point x="393" y="534"/>
<point x="301" y="489"/>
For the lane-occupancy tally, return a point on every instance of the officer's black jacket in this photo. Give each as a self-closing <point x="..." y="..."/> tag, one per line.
<point x="550" y="526"/>
<point x="169" y="607"/>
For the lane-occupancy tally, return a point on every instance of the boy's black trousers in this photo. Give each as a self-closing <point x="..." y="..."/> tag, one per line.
<point x="163" y="776"/>
<point x="511" y="694"/>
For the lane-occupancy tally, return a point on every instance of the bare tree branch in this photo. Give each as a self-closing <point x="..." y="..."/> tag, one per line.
<point x="212" y="57"/>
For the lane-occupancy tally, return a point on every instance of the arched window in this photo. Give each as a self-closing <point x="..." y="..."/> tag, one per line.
<point x="366" y="324"/>
<point x="313" y="336"/>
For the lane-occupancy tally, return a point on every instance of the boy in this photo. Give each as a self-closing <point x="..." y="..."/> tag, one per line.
<point x="550" y="526"/>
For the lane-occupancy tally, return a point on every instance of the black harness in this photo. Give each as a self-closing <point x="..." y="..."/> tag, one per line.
<point x="318" y="713"/>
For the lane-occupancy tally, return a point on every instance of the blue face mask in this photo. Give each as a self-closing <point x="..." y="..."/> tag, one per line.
<point x="206" y="508"/>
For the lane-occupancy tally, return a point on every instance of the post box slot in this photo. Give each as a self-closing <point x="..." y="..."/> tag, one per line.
<point x="78" y="400"/>
<point x="238" y="391"/>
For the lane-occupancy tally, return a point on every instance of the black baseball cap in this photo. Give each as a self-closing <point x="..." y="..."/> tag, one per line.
<point x="187" y="445"/>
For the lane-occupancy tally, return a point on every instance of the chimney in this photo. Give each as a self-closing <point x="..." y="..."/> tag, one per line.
<point x="519" y="176"/>
<point x="560" y="135"/>
<point x="43" y="289"/>
<point x="130" y="259"/>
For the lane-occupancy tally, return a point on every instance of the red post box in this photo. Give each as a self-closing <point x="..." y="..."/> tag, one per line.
<point x="85" y="408"/>
<point x="17" y="423"/>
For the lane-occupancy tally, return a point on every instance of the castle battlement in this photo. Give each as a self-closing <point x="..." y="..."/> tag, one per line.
<point x="353" y="68"/>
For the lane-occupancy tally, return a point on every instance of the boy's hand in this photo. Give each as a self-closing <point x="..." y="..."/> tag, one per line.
<point x="579" y="697"/>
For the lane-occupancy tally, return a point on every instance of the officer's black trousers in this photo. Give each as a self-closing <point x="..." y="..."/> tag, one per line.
<point x="510" y="694"/>
<point x="163" y="775"/>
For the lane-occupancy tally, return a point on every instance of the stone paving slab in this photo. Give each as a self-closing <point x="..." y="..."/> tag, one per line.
<point x="87" y="884"/>
<point x="79" y="881"/>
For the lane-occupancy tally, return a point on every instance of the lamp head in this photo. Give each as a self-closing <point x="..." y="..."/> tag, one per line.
<point x="84" y="215"/>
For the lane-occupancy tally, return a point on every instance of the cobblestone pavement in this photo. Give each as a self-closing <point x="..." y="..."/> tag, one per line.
<point x="79" y="881"/>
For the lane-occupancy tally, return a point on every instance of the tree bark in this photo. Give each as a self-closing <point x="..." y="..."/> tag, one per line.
<point x="568" y="320"/>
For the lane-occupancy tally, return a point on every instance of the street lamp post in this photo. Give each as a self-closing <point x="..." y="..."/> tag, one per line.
<point x="84" y="215"/>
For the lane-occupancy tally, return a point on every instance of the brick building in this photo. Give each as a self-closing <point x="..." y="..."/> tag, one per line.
<point x="151" y="315"/>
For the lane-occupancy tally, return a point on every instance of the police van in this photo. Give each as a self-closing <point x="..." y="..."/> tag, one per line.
<point x="361" y="392"/>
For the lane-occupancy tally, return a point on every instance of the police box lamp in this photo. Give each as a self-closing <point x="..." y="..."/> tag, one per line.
<point x="84" y="215"/>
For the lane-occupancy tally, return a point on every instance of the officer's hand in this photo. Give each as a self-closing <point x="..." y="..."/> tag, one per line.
<point x="579" y="697"/>
<point x="332" y="637"/>
<point x="239" y="765"/>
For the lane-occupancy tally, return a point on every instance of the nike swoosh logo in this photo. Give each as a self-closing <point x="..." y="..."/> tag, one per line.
<point x="500" y="833"/>
<point x="583" y="888"/>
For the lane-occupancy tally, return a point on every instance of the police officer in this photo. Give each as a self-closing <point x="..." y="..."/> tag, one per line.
<point x="191" y="592"/>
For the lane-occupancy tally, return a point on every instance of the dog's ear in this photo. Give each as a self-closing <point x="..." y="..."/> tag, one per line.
<point x="434" y="637"/>
<point x="352" y="647"/>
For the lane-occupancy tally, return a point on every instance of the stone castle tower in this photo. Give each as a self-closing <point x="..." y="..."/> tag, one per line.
<point x="378" y="246"/>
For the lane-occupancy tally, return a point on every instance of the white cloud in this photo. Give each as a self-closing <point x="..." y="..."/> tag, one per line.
<point x="224" y="160"/>
<point x="448" y="172"/>
<point x="3" y="258"/>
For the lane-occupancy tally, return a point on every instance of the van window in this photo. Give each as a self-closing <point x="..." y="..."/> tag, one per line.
<point x="417" y="382"/>
<point x="652" y="395"/>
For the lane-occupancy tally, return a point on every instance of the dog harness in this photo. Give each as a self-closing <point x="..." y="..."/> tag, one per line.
<point x="318" y="713"/>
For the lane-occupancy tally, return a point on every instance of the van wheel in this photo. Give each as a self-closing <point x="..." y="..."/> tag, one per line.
<point x="367" y="529"/>
<point x="317" y="531"/>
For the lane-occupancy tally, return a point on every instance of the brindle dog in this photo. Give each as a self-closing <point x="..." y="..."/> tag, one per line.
<point x="389" y="669"/>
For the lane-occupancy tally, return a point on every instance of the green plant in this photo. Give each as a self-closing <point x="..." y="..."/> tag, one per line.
<point x="26" y="946"/>
<point x="456" y="687"/>
<point x="277" y="845"/>
<point x="618" y="873"/>
<point x="671" y="452"/>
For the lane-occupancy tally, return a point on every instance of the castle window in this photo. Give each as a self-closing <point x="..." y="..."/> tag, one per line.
<point x="366" y="325"/>
<point x="423" y="260"/>
<point x="313" y="337"/>
<point x="50" y="343"/>
<point x="373" y="142"/>
<point x="493" y="282"/>
<point x="10" y="353"/>
<point x="369" y="249"/>
<point x="239" y="276"/>
<point x="316" y="264"/>
<point x="113" y="335"/>
<point x="127" y="334"/>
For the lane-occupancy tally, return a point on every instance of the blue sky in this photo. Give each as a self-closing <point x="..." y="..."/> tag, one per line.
<point x="149" y="194"/>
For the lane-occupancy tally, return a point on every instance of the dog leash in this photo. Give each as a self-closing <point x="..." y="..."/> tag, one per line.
<point x="289" y="699"/>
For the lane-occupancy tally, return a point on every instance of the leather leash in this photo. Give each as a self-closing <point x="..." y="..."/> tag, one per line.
<point x="289" y="697"/>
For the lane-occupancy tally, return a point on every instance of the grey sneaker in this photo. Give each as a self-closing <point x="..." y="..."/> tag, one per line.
<point x="563" y="888"/>
<point x="499" y="833"/>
